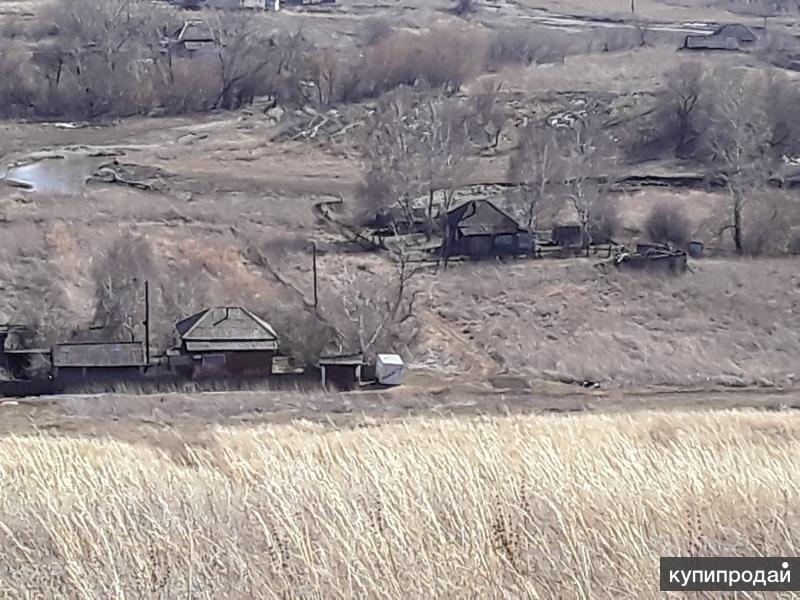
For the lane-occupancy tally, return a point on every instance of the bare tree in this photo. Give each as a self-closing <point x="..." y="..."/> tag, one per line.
<point x="488" y="115"/>
<point x="416" y="148"/>
<point x="533" y="167"/>
<point x="119" y="287"/>
<point x="392" y="180"/>
<point x="679" y="105"/>
<point x="586" y="156"/>
<point x="108" y="49"/>
<point x="245" y="53"/>
<point x="738" y="139"/>
<point x="443" y="151"/>
<point x="378" y="314"/>
<point x="784" y="116"/>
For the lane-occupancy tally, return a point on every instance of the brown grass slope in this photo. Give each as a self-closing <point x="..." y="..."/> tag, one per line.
<point x="538" y="507"/>
<point x="730" y="322"/>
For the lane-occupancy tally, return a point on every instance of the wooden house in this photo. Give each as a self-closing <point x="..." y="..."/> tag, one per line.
<point x="195" y="36"/>
<point x="479" y="229"/>
<point x="734" y="36"/>
<point x="227" y="340"/>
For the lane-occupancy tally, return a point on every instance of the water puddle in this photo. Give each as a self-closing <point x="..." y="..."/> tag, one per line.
<point x="63" y="175"/>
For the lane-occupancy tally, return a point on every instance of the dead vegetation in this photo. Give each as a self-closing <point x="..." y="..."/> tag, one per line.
<point x="512" y="505"/>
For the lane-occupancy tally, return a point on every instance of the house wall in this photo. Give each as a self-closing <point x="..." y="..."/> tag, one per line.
<point x="78" y="374"/>
<point x="486" y="246"/>
<point x="222" y="364"/>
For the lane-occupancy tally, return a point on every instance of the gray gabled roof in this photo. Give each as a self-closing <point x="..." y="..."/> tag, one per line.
<point x="195" y="31"/>
<point x="226" y="326"/>
<point x="718" y="39"/>
<point x="99" y="354"/>
<point x="736" y="30"/>
<point x="481" y="217"/>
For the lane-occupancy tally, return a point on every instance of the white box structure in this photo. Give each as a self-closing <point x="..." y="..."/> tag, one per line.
<point x="390" y="369"/>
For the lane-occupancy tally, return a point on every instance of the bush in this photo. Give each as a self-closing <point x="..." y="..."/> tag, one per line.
<point x="668" y="224"/>
<point x="604" y="222"/>
<point x="526" y="46"/>
<point x="442" y="57"/>
<point x="376" y="29"/>
<point x="767" y="226"/>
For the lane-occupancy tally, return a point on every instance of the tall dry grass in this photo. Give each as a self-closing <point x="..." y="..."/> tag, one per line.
<point x="536" y="507"/>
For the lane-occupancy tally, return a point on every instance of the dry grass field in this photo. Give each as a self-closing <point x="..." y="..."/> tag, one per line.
<point x="728" y="322"/>
<point x="530" y="507"/>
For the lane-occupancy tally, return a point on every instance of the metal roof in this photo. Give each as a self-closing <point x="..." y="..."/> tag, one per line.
<point x="481" y="217"/>
<point x="195" y="31"/>
<point x="227" y="328"/>
<point x="342" y="359"/>
<point x="99" y="354"/>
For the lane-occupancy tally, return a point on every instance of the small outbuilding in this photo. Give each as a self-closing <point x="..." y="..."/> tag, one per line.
<point x="479" y="229"/>
<point x="734" y="36"/>
<point x="98" y="360"/>
<point x="341" y="372"/>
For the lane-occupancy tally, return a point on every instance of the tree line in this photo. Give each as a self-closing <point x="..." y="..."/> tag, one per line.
<point x="738" y="126"/>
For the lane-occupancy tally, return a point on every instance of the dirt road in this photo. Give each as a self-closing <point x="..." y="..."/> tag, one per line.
<point x="175" y="419"/>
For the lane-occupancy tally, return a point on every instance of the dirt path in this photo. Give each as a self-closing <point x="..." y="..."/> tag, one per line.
<point x="176" y="419"/>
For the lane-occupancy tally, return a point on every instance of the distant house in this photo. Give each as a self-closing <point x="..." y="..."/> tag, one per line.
<point x="274" y="5"/>
<point x="227" y="340"/>
<point x="188" y="4"/>
<point x="479" y="229"/>
<point x="194" y="36"/>
<point x="228" y="4"/>
<point x="728" y="37"/>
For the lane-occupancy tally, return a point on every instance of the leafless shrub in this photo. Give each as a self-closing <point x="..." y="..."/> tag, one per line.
<point x="680" y="109"/>
<point x="534" y="167"/>
<point x="416" y="146"/>
<point x="442" y="57"/>
<point x="488" y="115"/>
<point x="604" y="221"/>
<point x="668" y="223"/>
<point x="463" y="8"/>
<point x="784" y="116"/>
<point x="18" y="93"/>
<point x="615" y="39"/>
<point x="768" y="227"/>
<point x="372" y="314"/>
<point x="523" y="45"/>
<point x="119" y="286"/>
<point x="305" y="334"/>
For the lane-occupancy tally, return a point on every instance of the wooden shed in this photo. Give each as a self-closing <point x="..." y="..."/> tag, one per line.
<point x="342" y="371"/>
<point x="98" y="359"/>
